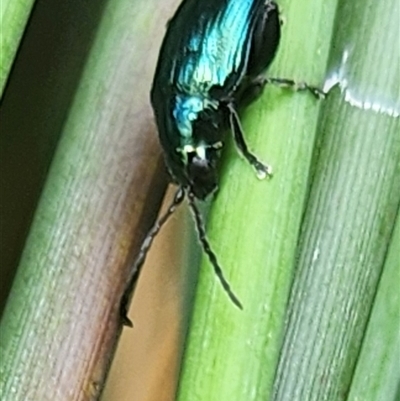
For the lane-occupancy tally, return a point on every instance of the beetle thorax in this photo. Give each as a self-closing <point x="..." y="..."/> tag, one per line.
<point x="187" y="110"/>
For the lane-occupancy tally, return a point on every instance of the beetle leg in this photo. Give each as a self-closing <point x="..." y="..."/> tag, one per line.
<point x="263" y="170"/>
<point x="297" y="86"/>
<point x="250" y="91"/>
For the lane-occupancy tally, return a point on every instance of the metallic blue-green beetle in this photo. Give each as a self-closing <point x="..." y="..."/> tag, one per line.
<point x="211" y="59"/>
<point x="210" y="63"/>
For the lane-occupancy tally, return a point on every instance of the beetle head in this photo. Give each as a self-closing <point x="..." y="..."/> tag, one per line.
<point x="201" y="168"/>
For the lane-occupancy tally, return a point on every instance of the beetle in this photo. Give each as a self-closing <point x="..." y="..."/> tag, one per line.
<point x="211" y="62"/>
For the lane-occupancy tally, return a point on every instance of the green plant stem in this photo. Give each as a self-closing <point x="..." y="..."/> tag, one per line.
<point x="14" y="16"/>
<point x="351" y="211"/>
<point x="377" y="375"/>
<point x="61" y="322"/>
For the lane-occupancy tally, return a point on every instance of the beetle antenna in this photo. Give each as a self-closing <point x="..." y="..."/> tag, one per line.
<point x="144" y="249"/>
<point x="209" y="252"/>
